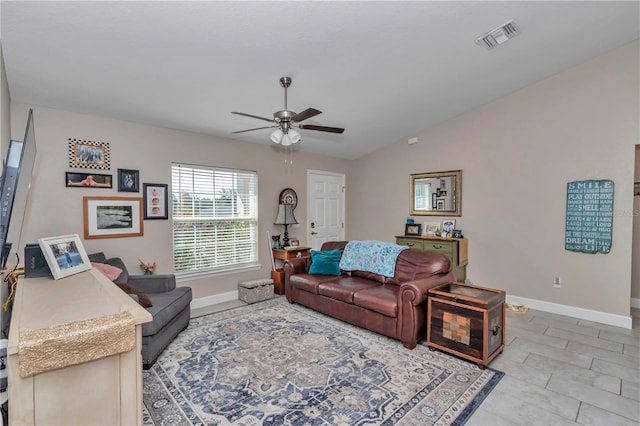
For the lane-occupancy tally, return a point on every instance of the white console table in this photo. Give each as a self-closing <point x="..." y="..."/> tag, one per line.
<point x="105" y="390"/>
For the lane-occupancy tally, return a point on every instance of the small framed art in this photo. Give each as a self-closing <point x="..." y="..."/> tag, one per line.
<point x="128" y="180"/>
<point x="412" y="229"/>
<point x="89" y="154"/>
<point x="112" y="217"/>
<point x="87" y="180"/>
<point x="448" y="226"/>
<point x="431" y="228"/>
<point x="156" y="202"/>
<point x="65" y="255"/>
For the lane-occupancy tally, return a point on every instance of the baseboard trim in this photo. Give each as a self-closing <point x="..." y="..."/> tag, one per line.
<point x="635" y="303"/>
<point x="203" y="302"/>
<point x="572" y="311"/>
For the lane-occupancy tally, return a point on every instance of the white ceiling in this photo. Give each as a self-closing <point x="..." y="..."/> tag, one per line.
<point x="383" y="70"/>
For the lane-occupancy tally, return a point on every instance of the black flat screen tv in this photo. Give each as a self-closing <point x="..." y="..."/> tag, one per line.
<point x="14" y="189"/>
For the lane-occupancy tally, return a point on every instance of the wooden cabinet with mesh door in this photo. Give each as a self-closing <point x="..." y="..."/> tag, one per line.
<point x="467" y="321"/>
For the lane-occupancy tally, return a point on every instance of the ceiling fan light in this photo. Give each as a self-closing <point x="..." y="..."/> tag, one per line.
<point x="295" y="136"/>
<point x="277" y="136"/>
<point x="286" y="140"/>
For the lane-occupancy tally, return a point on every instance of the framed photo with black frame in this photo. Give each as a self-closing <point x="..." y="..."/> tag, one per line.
<point x="128" y="180"/>
<point x="87" y="180"/>
<point x="156" y="201"/>
<point x="411" y="229"/>
<point x="65" y="255"/>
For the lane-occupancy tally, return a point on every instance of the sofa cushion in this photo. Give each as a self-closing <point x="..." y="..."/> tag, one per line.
<point x="415" y="264"/>
<point x="308" y="282"/>
<point x="344" y="288"/>
<point x="165" y="307"/>
<point x="325" y="262"/>
<point x="370" y="276"/>
<point x="382" y="299"/>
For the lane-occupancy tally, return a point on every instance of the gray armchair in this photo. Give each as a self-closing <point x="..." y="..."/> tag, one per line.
<point x="171" y="307"/>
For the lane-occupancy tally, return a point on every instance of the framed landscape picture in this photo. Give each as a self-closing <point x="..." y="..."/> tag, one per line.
<point x="112" y="217"/>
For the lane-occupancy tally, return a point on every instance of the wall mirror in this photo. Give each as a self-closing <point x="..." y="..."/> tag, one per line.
<point x="436" y="194"/>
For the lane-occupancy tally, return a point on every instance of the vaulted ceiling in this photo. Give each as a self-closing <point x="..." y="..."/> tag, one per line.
<point x="383" y="70"/>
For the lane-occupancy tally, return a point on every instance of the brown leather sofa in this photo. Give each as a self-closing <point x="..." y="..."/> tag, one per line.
<point x="395" y="307"/>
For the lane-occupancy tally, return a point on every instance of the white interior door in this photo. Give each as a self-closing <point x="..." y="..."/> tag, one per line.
<point x="326" y="207"/>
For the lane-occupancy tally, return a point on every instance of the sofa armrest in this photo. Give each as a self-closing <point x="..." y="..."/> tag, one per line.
<point x="296" y="265"/>
<point x="411" y="309"/>
<point x="415" y="292"/>
<point x="153" y="283"/>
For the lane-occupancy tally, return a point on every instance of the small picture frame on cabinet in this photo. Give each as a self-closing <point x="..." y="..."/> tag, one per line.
<point x="413" y="229"/>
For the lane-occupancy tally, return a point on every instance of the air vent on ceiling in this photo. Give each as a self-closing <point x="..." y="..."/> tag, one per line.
<point x="498" y="35"/>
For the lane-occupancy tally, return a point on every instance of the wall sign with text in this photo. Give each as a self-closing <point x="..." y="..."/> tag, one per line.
<point x="589" y="226"/>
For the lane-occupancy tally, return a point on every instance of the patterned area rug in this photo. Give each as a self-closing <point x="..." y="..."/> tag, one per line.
<point x="272" y="363"/>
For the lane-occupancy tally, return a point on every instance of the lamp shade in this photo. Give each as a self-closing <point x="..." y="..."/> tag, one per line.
<point x="295" y="136"/>
<point x="276" y="136"/>
<point x="286" y="140"/>
<point x="285" y="215"/>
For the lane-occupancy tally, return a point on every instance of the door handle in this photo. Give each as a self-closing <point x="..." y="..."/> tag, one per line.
<point x="314" y="233"/>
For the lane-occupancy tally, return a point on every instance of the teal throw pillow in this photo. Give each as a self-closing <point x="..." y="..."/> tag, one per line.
<point x="325" y="262"/>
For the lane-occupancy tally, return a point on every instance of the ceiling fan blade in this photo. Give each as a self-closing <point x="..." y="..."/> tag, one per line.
<point x="307" y="113"/>
<point x="254" y="116"/>
<point x="321" y="128"/>
<point x="257" y="128"/>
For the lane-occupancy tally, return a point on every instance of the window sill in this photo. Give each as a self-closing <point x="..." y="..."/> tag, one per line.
<point x="182" y="277"/>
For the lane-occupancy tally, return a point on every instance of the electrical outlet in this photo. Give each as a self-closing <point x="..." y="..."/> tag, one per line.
<point x="556" y="282"/>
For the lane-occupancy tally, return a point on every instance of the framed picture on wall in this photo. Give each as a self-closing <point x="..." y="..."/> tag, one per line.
<point x="128" y="180"/>
<point x="156" y="201"/>
<point x="87" y="180"/>
<point x="89" y="154"/>
<point x="112" y="217"/>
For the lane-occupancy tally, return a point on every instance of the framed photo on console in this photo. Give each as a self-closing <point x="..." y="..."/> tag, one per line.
<point x="412" y="229"/>
<point x="65" y="255"/>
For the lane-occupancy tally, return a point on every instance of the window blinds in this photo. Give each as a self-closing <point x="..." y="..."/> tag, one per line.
<point x="215" y="218"/>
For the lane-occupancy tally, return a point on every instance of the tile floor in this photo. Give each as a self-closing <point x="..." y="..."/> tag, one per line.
<point x="561" y="370"/>
<point x="558" y="370"/>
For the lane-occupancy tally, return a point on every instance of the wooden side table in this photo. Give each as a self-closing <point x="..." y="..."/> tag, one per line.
<point x="466" y="320"/>
<point x="291" y="252"/>
<point x="285" y="254"/>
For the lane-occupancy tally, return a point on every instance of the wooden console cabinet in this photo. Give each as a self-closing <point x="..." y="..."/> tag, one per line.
<point x="455" y="248"/>
<point x="466" y="320"/>
<point x="104" y="390"/>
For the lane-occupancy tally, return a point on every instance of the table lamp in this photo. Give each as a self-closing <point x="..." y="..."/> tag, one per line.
<point x="286" y="218"/>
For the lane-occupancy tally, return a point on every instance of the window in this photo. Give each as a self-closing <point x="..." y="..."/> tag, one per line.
<point x="215" y="219"/>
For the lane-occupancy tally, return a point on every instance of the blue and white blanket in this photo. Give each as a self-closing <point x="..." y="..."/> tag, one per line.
<point x="378" y="257"/>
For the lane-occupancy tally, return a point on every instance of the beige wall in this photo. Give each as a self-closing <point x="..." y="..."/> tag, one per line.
<point x="517" y="155"/>
<point x="57" y="210"/>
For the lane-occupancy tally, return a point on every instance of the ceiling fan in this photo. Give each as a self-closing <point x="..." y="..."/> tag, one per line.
<point x="286" y="121"/>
